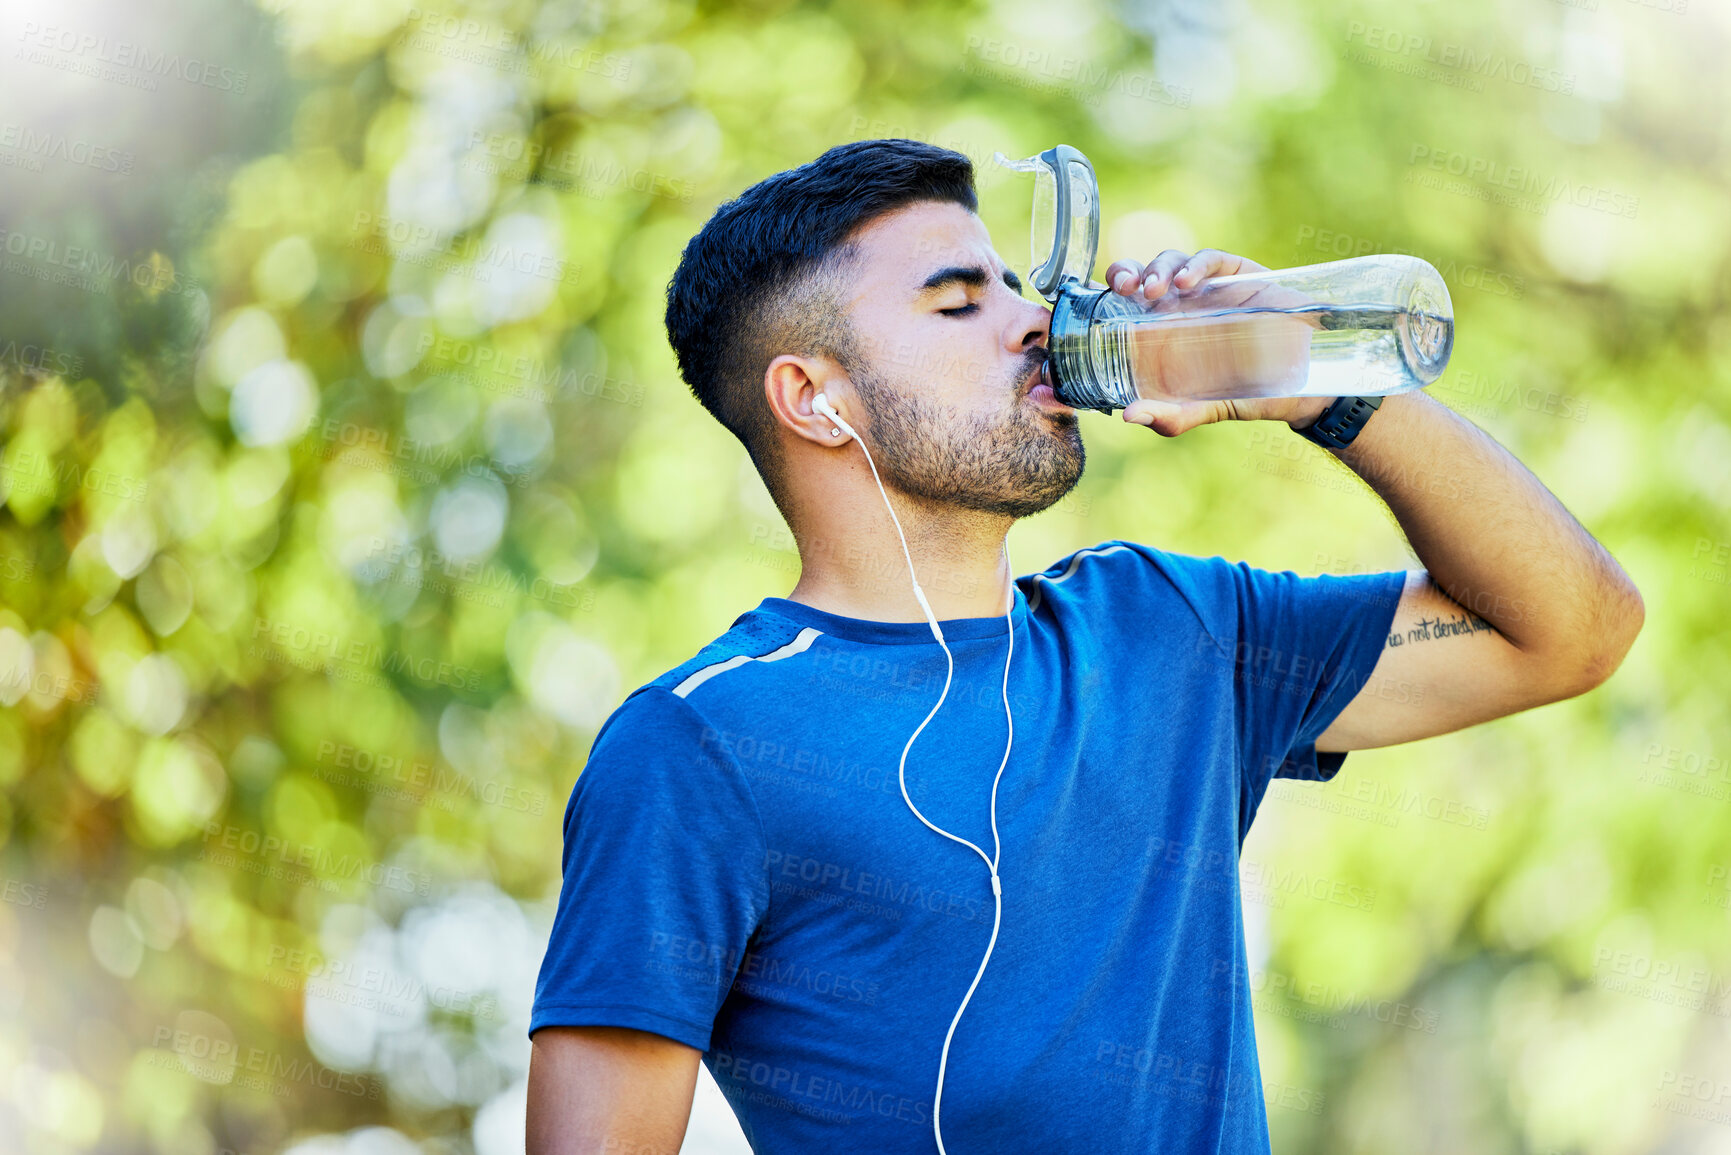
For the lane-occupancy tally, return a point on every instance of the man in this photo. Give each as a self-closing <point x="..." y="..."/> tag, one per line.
<point x="745" y="881"/>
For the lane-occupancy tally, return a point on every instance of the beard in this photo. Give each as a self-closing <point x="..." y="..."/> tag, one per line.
<point x="1015" y="461"/>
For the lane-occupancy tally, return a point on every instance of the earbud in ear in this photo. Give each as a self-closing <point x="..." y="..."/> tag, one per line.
<point x="822" y="405"/>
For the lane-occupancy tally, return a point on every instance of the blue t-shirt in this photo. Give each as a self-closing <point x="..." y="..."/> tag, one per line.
<point x="741" y="873"/>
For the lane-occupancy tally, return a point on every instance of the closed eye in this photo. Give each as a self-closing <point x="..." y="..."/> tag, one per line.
<point x="960" y="310"/>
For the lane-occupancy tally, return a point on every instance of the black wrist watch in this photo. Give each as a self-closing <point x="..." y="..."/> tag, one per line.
<point x="1337" y="425"/>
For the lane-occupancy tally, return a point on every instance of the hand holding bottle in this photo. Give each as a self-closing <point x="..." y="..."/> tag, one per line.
<point x="1365" y="326"/>
<point x="1169" y="277"/>
<point x="1216" y="339"/>
<point x="1175" y="269"/>
<point x="1215" y="327"/>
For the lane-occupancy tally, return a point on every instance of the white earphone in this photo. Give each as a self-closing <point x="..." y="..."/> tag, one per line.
<point x="822" y="405"/>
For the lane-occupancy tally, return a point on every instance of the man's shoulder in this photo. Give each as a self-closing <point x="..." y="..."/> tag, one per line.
<point x="753" y="637"/>
<point x="668" y="702"/>
<point x="1217" y="591"/>
<point x="1122" y="569"/>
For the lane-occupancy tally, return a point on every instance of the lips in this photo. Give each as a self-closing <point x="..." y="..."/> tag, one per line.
<point x="1042" y="389"/>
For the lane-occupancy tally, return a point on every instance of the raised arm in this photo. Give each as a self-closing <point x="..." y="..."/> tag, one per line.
<point x="608" y="1091"/>
<point x="1517" y="604"/>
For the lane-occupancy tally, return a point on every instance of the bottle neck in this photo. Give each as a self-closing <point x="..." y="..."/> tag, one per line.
<point x="1085" y="372"/>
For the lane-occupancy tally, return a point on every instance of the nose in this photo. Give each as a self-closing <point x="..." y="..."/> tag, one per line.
<point x="1032" y="327"/>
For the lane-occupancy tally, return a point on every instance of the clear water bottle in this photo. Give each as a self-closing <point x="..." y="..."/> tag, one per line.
<point x="1365" y="326"/>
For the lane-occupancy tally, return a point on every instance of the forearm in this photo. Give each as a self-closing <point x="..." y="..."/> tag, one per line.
<point x="1492" y="536"/>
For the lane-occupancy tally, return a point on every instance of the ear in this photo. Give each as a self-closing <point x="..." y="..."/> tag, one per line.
<point x="792" y="382"/>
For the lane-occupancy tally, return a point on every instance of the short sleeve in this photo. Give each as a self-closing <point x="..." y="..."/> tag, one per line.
<point x="1302" y="649"/>
<point x="664" y="879"/>
<point x="1295" y="650"/>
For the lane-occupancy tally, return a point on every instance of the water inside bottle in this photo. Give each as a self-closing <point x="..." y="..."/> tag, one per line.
<point x="1289" y="351"/>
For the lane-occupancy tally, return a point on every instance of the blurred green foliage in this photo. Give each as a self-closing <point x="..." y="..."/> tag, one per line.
<point x="349" y="485"/>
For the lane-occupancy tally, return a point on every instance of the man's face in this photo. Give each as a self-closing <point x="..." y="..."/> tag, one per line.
<point x="949" y="363"/>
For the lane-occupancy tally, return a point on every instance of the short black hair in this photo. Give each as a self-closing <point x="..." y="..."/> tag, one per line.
<point x="750" y="285"/>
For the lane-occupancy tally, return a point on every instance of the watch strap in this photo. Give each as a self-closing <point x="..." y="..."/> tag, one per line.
<point x="1337" y="425"/>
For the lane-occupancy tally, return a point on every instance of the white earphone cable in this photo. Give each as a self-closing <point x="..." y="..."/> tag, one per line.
<point x="822" y="405"/>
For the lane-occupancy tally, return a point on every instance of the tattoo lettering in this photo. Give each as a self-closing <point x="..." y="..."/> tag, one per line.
<point x="1430" y="629"/>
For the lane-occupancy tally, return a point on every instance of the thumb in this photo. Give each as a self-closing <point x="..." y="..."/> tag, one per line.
<point x="1170" y="418"/>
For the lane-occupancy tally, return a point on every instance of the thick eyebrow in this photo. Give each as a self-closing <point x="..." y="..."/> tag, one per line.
<point x="974" y="276"/>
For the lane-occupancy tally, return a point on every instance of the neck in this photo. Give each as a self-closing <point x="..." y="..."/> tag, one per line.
<point x="853" y="564"/>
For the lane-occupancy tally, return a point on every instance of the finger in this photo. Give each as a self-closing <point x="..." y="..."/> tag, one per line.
<point x="1207" y="263"/>
<point x="1158" y="276"/>
<point x="1303" y="410"/>
<point x="1170" y="418"/>
<point x="1124" y="276"/>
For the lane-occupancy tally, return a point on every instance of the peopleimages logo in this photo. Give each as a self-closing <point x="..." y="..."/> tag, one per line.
<point x="37" y="146"/>
<point x="103" y="270"/>
<point x="86" y="46"/>
<point x="40" y="360"/>
<point x="1475" y="63"/>
<point x="1517" y="179"/>
<point x="810" y="1094"/>
<point x="832" y="878"/>
<point x="220" y="1060"/>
